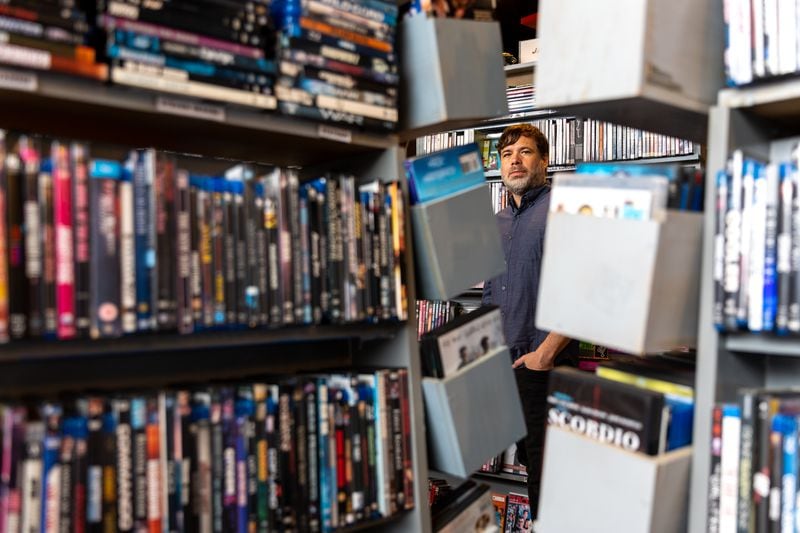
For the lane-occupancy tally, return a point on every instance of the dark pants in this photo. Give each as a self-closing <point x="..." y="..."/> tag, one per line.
<point x="532" y="386"/>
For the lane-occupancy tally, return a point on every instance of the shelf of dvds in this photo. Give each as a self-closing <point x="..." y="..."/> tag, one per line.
<point x="53" y="105"/>
<point x="74" y="108"/>
<point x="90" y="110"/>
<point x="515" y="118"/>
<point x="493" y="175"/>
<point x="761" y="121"/>
<point x="520" y="74"/>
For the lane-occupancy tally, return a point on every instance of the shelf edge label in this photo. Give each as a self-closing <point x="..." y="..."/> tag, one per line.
<point x="335" y="134"/>
<point x="18" y="81"/>
<point x="190" y="108"/>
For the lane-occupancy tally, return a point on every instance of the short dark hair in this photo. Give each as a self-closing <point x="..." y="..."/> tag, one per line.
<point x="512" y="134"/>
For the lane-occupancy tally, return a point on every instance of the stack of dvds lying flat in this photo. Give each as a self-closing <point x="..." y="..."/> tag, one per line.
<point x="47" y="36"/>
<point x="213" y="49"/>
<point x="521" y="99"/>
<point x="337" y="61"/>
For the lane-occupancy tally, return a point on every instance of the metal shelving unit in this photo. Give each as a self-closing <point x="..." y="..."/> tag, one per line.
<point x="75" y="108"/>
<point x="758" y="118"/>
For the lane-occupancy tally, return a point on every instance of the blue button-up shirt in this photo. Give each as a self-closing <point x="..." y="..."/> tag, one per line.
<point x="522" y="230"/>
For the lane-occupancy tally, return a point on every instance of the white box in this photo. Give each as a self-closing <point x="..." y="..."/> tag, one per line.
<point x="529" y="51"/>
<point x="651" y="64"/>
<point x="632" y="285"/>
<point x="451" y="74"/>
<point x="472" y="415"/>
<point x="617" y="490"/>
<point x="456" y="243"/>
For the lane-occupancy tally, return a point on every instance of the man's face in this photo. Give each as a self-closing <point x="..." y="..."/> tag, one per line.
<point x="522" y="167"/>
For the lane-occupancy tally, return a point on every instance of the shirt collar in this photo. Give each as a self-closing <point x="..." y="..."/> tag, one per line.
<point x="528" y="199"/>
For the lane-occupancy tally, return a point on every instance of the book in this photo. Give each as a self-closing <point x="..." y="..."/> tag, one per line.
<point x="468" y="337"/>
<point x="518" y="514"/>
<point x="17" y="279"/>
<point x="65" y="273"/>
<point x="729" y="467"/>
<point x="613" y="413"/>
<point x="632" y="198"/>
<point x="105" y="265"/>
<point x="499" y="503"/>
<point x="719" y="250"/>
<point x="444" y="173"/>
<point x="679" y="399"/>
<point x="712" y="524"/>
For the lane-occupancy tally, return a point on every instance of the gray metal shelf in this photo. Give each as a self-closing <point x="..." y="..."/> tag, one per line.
<point x="30" y="350"/>
<point x="689" y="158"/>
<point x="786" y="91"/>
<point x="520" y="67"/>
<point x="777" y="101"/>
<point x="82" y="108"/>
<point x="502" y="476"/>
<point x="763" y="344"/>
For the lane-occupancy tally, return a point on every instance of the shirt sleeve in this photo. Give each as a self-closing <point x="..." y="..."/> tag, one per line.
<point x="486" y="298"/>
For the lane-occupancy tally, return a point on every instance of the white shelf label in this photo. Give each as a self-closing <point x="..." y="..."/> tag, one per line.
<point x="190" y="108"/>
<point x="335" y="134"/>
<point x="18" y="81"/>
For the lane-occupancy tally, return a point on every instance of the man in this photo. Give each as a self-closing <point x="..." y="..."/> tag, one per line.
<point x="463" y="358"/>
<point x="524" y="153"/>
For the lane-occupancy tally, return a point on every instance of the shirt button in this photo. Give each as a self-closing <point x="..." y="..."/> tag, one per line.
<point x="504" y="287"/>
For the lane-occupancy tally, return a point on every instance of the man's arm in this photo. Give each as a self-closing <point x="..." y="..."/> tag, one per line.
<point x="544" y="357"/>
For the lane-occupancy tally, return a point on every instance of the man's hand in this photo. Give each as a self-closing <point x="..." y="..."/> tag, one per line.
<point x="544" y="357"/>
<point x="538" y="360"/>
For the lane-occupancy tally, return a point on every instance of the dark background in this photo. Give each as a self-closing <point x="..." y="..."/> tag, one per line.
<point x="509" y="13"/>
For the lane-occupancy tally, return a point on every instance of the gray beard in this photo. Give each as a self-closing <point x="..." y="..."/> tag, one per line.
<point x="520" y="187"/>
